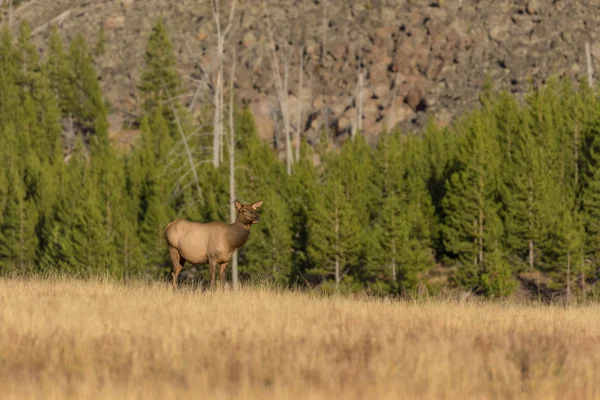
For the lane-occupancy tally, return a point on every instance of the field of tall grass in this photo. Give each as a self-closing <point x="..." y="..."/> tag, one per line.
<point x="64" y="338"/>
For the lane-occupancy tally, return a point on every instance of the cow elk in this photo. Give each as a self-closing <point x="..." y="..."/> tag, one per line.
<point x="210" y="243"/>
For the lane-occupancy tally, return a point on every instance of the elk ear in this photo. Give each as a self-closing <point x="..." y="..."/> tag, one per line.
<point x="238" y="205"/>
<point x="257" y="205"/>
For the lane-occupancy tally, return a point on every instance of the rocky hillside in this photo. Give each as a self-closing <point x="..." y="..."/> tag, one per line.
<point x="420" y="58"/>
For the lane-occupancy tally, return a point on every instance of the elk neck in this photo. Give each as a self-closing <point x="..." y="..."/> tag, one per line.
<point x="237" y="234"/>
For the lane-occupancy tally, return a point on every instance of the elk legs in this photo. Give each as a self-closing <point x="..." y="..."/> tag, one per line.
<point x="212" y="265"/>
<point x="178" y="262"/>
<point x="222" y="274"/>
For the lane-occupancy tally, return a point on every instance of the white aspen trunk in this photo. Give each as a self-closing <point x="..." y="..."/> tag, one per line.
<point x="299" y="117"/>
<point x="392" y="114"/>
<point x="394" y="260"/>
<point x="289" y="158"/>
<point x="282" y="96"/>
<point x="21" y="232"/>
<point x="338" y="277"/>
<point x="108" y="215"/>
<point x="481" y="236"/>
<point x="360" y="100"/>
<point x="221" y="124"/>
<point x="590" y="71"/>
<point x="538" y="285"/>
<point x="324" y="34"/>
<point x="217" y="119"/>
<point x="530" y="212"/>
<point x="569" y="275"/>
<point x="126" y="251"/>
<point x="576" y="155"/>
<point x="232" y="209"/>
<point x="218" y="94"/>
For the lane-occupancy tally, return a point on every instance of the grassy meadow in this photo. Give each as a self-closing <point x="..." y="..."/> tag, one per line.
<point x="65" y="338"/>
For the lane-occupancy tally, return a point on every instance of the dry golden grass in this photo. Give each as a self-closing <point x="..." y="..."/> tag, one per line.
<point x="76" y="339"/>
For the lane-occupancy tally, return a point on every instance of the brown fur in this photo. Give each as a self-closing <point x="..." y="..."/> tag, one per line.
<point x="211" y="243"/>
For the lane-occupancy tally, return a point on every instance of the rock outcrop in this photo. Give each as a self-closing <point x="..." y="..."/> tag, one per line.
<point x="419" y="58"/>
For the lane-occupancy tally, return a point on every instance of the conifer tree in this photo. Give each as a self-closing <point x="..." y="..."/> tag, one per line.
<point x="18" y="241"/>
<point x="88" y="108"/>
<point x="591" y="195"/>
<point x="301" y="195"/>
<point x="160" y="80"/>
<point x="152" y="210"/>
<point x="60" y="73"/>
<point x="268" y="250"/>
<point x="260" y="177"/>
<point x="472" y="228"/>
<point x="334" y="234"/>
<point x="9" y="69"/>
<point x="28" y="58"/>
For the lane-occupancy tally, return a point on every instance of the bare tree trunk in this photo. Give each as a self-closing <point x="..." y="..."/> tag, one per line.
<point x="590" y="71"/>
<point x="289" y="158"/>
<point x="232" y="209"/>
<point x="222" y="140"/>
<point x="394" y="260"/>
<point x="530" y="212"/>
<point x="569" y="275"/>
<point x="217" y="121"/>
<point x="480" y="239"/>
<point x="360" y="101"/>
<point x="538" y="285"/>
<point x="325" y="29"/>
<point x="299" y="118"/>
<point x="218" y="89"/>
<point x="576" y="155"/>
<point x="392" y="113"/>
<point x="338" y="277"/>
<point x="531" y="259"/>
<point x="187" y="148"/>
<point x="282" y="95"/>
<point x="126" y="251"/>
<point x="21" y="232"/>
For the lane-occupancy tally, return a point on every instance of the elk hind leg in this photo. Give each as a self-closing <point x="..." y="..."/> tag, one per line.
<point x="178" y="262"/>
<point x="212" y="265"/>
<point x="222" y="273"/>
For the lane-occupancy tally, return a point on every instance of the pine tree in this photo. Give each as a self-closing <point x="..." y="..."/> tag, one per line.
<point x="260" y="177"/>
<point x="525" y="195"/>
<point x="472" y="228"/>
<point x="301" y="195"/>
<point x="60" y="73"/>
<point x="18" y="241"/>
<point x="334" y="234"/>
<point x="88" y="108"/>
<point x="9" y="69"/>
<point x="152" y="210"/>
<point x="28" y="58"/>
<point x="591" y="195"/>
<point x="160" y="80"/>
<point x="267" y="253"/>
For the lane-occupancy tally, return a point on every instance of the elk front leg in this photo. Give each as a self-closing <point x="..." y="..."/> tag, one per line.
<point x="212" y="265"/>
<point x="222" y="273"/>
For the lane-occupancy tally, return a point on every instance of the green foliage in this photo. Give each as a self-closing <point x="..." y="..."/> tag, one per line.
<point x="160" y="80"/>
<point x="99" y="48"/>
<point x="508" y="190"/>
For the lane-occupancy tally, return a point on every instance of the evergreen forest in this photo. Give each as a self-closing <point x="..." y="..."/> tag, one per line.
<point x="506" y="199"/>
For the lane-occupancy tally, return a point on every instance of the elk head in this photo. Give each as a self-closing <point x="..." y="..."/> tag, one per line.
<point x="247" y="214"/>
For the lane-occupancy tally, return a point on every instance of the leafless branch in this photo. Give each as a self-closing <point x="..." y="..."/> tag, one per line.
<point x="187" y="148"/>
